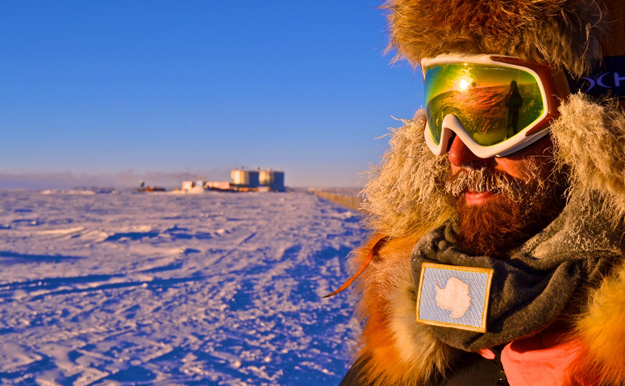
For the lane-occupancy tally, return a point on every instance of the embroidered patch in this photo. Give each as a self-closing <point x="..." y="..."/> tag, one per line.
<point x="452" y="296"/>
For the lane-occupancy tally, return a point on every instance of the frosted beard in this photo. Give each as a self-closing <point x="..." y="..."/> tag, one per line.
<point x="520" y="210"/>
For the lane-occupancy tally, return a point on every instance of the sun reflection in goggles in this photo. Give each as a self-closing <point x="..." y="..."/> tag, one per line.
<point x="464" y="84"/>
<point x="492" y="102"/>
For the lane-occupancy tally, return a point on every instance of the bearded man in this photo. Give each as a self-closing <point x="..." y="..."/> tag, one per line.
<point x="497" y="257"/>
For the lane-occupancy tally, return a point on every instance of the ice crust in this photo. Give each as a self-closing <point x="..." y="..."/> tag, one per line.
<point x="217" y="288"/>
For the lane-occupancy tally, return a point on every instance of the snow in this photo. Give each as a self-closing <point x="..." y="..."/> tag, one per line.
<point x="217" y="288"/>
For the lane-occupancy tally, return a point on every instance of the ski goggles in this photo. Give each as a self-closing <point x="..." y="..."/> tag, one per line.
<point x="497" y="105"/>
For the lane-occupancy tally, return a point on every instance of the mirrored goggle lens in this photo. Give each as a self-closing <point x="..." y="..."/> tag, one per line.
<point x="493" y="103"/>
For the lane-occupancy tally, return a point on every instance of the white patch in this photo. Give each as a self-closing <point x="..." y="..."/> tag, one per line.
<point x="454" y="297"/>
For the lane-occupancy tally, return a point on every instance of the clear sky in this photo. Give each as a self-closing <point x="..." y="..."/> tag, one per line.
<point x="137" y="88"/>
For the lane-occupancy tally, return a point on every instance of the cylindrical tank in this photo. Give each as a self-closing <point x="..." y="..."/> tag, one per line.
<point x="253" y="178"/>
<point x="247" y="178"/>
<point x="266" y="177"/>
<point x="240" y="177"/>
<point x="278" y="181"/>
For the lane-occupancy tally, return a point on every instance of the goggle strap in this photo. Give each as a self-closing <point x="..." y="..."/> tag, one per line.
<point x="608" y="80"/>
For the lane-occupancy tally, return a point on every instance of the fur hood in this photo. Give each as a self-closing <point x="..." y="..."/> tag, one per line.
<point x="404" y="199"/>
<point x="403" y="194"/>
<point x="565" y="33"/>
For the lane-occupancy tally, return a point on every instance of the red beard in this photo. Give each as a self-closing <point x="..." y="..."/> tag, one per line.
<point x="509" y="219"/>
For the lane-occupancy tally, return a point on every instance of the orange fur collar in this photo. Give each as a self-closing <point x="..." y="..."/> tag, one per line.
<point x="400" y="351"/>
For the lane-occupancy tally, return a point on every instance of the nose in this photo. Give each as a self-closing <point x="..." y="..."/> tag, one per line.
<point x="461" y="156"/>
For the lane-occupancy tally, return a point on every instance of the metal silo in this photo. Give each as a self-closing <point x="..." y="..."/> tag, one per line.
<point x="278" y="181"/>
<point x="253" y="178"/>
<point x="240" y="177"/>
<point x="266" y="177"/>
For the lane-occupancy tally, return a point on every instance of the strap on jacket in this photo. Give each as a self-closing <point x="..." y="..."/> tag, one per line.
<point x="364" y="265"/>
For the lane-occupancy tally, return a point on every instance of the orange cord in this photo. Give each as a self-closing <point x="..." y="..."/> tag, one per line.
<point x="364" y="265"/>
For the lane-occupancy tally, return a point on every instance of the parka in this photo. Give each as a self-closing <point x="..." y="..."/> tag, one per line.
<point x="571" y="330"/>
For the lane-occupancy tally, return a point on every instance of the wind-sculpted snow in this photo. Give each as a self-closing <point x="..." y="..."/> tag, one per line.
<point x="216" y="288"/>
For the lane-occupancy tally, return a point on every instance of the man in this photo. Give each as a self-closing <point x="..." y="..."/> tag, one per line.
<point x="497" y="257"/>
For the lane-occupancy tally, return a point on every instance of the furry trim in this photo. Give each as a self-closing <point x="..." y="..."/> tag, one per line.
<point x="589" y="142"/>
<point x="403" y="194"/>
<point x="566" y="33"/>
<point x="395" y="349"/>
<point x="600" y="334"/>
<point x="398" y="351"/>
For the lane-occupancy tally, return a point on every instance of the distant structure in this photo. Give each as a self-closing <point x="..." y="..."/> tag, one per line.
<point x="243" y="180"/>
<point x="149" y="189"/>
<point x="223" y="186"/>
<point x="273" y="179"/>
<point x="246" y="180"/>
<point x="193" y="186"/>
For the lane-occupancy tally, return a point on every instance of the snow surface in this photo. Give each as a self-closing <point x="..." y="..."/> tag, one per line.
<point x="218" y="288"/>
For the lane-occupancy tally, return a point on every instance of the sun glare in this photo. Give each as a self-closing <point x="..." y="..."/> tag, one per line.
<point x="464" y="84"/>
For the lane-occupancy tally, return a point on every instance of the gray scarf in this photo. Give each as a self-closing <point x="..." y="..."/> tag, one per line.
<point x="536" y="281"/>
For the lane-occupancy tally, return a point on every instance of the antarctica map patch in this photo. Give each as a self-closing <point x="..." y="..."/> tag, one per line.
<point x="452" y="296"/>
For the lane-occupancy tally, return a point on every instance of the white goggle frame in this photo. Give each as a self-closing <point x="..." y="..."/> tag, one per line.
<point x="451" y="124"/>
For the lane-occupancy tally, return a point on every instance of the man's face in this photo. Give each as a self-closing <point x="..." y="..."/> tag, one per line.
<point x="503" y="201"/>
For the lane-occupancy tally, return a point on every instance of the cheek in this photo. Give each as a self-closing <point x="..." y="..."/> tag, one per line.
<point x="529" y="163"/>
<point x="526" y="169"/>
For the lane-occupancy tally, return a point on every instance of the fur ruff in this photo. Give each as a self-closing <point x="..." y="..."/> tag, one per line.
<point x="566" y="33"/>
<point x="404" y="194"/>
<point x="396" y="349"/>
<point x="589" y="142"/>
<point x="403" y="197"/>
<point x="600" y="335"/>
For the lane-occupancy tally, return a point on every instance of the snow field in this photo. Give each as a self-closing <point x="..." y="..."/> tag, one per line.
<point x="217" y="288"/>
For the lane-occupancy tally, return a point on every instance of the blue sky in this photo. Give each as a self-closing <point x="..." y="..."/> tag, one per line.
<point x="110" y="88"/>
